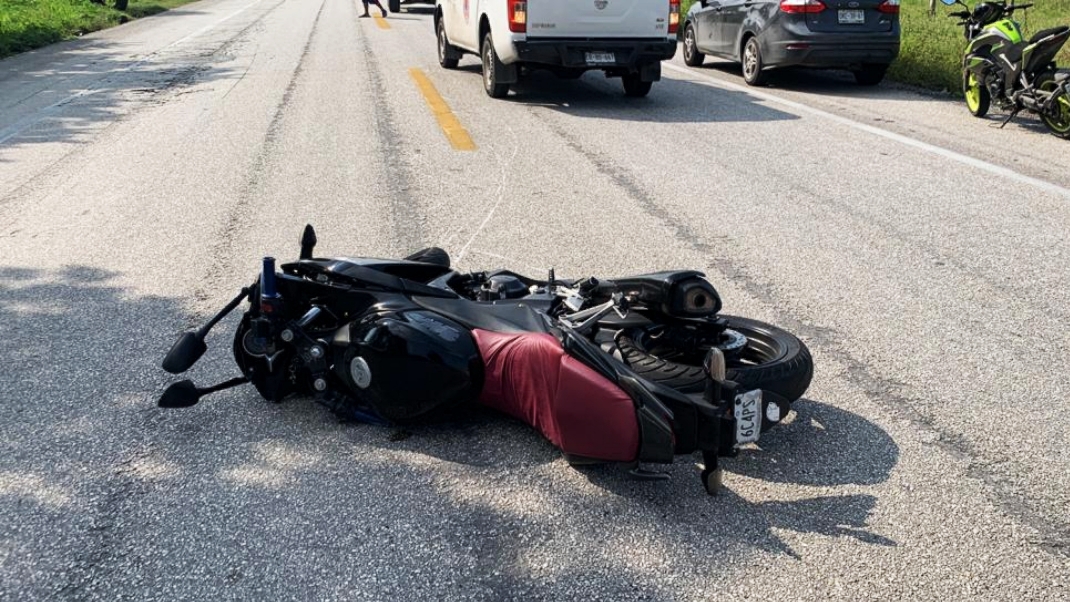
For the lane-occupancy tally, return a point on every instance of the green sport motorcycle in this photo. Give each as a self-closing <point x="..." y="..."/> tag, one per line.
<point x="1000" y="66"/>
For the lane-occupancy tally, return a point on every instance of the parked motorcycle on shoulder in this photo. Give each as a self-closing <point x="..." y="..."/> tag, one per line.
<point x="1000" y="66"/>
<point x="628" y="370"/>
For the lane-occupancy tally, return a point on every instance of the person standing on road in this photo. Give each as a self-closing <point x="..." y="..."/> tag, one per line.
<point x="376" y="2"/>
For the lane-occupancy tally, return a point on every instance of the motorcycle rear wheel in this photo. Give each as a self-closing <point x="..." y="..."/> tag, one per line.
<point x="977" y="97"/>
<point x="1058" y="120"/>
<point x="773" y="359"/>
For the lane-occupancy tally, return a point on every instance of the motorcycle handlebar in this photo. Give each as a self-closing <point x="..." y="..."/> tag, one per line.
<point x="1018" y="7"/>
<point x="959" y="15"/>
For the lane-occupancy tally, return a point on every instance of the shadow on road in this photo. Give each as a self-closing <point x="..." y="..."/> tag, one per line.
<point x="670" y="101"/>
<point x="827" y="82"/>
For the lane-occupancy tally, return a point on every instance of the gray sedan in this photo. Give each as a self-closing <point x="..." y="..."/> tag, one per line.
<point x="859" y="35"/>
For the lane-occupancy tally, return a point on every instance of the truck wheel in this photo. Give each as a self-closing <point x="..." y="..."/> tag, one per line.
<point x="634" y="85"/>
<point x="447" y="54"/>
<point x="490" y="65"/>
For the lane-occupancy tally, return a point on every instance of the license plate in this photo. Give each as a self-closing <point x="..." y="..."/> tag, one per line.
<point x="601" y="58"/>
<point x="852" y="17"/>
<point x="748" y="414"/>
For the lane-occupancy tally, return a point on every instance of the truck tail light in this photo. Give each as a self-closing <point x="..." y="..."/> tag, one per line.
<point x="801" y="6"/>
<point x="889" y="7"/>
<point x="518" y="16"/>
<point x="674" y="16"/>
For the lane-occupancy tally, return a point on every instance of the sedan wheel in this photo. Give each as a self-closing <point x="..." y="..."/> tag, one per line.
<point x="752" y="63"/>
<point x="692" y="57"/>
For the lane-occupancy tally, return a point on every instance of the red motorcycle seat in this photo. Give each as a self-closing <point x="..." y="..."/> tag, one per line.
<point x="530" y="376"/>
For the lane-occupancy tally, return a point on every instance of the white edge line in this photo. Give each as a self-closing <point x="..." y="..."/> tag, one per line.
<point x="925" y="146"/>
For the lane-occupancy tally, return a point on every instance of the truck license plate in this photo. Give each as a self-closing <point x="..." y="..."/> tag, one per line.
<point x="601" y="58"/>
<point x="748" y="414"/>
<point x="852" y="17"/>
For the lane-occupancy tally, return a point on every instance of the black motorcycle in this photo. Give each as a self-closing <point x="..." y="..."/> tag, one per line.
<point x="631" y="370"/>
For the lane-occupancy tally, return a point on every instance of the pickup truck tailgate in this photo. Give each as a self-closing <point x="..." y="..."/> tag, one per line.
<point x="598" y="18"/>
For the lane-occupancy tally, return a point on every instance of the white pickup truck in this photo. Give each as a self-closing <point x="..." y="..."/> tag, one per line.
<point x="623" y="38"/>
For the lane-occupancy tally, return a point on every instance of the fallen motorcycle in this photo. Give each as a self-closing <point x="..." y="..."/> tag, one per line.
<point x="630" y="370"/>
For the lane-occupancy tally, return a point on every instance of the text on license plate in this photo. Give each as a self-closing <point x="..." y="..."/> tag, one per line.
<point x="852" y="16"/>
<point x="748" y="415"/>
<point x="600" y="58"/>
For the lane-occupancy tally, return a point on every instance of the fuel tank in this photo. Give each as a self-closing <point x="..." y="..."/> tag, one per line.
<point x="407" y="364"/>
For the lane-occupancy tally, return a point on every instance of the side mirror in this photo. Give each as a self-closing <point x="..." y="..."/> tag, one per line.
<point x="182" y="394"/>
<point x="185" y="352"/>
<point x="949" y="2"/>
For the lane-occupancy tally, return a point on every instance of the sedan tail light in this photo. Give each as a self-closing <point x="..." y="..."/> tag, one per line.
<point x="674" y="16"/>
<point x="890" y="7"/>
<point x="802" y="6"/>
<point x="518" y="16"/>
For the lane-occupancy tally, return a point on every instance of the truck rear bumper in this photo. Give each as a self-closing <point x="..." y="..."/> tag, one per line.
<point x="577" y="53"/>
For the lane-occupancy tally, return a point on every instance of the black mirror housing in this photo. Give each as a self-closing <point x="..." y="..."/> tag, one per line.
<point x="182" y="394"/>
<point x="189" y="348"/>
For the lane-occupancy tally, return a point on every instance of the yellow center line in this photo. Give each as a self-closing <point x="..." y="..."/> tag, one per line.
<point x="381" y="22"/>
<point x="455" y="132"/>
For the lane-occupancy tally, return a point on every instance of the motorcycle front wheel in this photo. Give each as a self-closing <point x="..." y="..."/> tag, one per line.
<point x="1057" y="117"/>
<point x="977" y="97"/>
<point x="772" y="358"/>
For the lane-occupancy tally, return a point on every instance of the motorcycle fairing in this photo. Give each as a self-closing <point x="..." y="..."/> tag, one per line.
<point x="401" y="276"/>
<point x="1043" y="47"/>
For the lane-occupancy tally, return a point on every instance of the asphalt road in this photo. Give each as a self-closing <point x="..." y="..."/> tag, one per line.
<point x="920" y="253"/>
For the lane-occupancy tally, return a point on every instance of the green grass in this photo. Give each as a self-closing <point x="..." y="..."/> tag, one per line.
<point x="932" y="47"/>
<point x="29" y="24"/>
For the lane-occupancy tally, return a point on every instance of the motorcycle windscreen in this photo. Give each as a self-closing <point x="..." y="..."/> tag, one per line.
<point x="530" y="377"/>
<point x="850" y="16"/>
<point x="598" y="18"/>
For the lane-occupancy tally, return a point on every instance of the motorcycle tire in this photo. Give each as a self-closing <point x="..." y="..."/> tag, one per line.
<point x="1058" y="119"/>
<point x="977" y="96"/>
<point x="773" y="359"/>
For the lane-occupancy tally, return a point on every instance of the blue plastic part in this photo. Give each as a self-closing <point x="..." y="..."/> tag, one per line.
<point x="367" y="417"/>
<point x="267" y="279"/>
